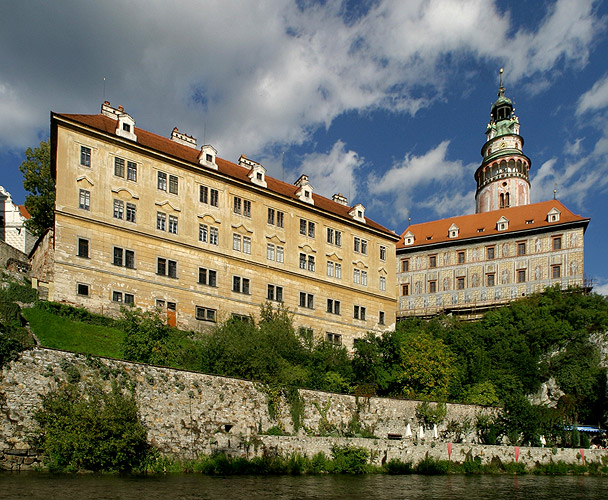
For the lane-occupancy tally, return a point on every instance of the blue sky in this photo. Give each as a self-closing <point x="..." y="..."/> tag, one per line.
<point x="383" y="101"/>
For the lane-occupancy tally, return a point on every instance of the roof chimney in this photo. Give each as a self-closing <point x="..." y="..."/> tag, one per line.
<point x="184" y="139"/>
<point x="340" y="198"/>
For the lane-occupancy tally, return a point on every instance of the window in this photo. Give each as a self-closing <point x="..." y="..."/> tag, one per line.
<point x="338" y="269"/>
<point x="460" y="283"/>
<point x="359" y="312"/>
<point x="124" y="258"/>
<point x="382" y="252"/>
<point x="433" y="261"/>
<point x="84" y="199"/>
<point x="330" y="268"/>
<point x="161" y="182"/>
<point x="556" y="272"/>
<point x="208" y="234"/>
<point x="126" y="127"/>
<point x="557" y="243"/>
<point x="334" y="338"/>
<point x="307" y="300"/>
<point x="132" y="171"/>
<point x="271" y="215"/>
<point x="334" y="236"/>
<point x="236" y="207"/>
<point x="405" y="289"/>
<point x="360" y="245"/>
<point x="275" y="292"/>
<point x="490" y="253"/>
<point x="307" y="262"/>
<point x="82" y="289"/>
<point x="382" y="283"/>
<point x="246" y="244"/>
<point x="307" y="228"/>
<point x="209" y="196"/>
<point x="119" y="168"/>
<point x="432" y="286"/>
<point x="333" y="306"/>
<point x="241" y="243"/>
<point x="131" y="212"/>
<point x="165" y="267"/>
<point x="126" y="298"/>
<point x="405" y="265"/>
<point x="119" y="208"/>
<point x="521" y="248"/>
<point x="356" y="276"/>
<point x="241" y="206"/>
<point x="240" y="285"/>
<point x="83" y="248"/>
<point x="241" y="317"/>
<point x="246" y="208"/>
<point x="85" y="158"/>
<point x="161" y="221"/>
<point x="206" y="314"/>
<point x="381" y="317"/>
<point x="275" y="252"/>
<point x="364" y="278"/>
<point x="521" y="276"/>
<point x="461" y="258"/>
<point x="173" y="224"/>
<point x="173" y="184"/>
<point x="490" y="279"/>
<point x="207" y="276"/>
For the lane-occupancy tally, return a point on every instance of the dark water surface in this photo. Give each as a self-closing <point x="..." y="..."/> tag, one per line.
<point x="39" y="486"/>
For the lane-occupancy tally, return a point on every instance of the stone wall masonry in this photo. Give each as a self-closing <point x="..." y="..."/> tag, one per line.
<point x="188" y="414"/>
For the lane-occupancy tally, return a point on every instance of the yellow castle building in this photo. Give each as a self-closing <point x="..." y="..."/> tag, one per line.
<point x="162" y="223"/>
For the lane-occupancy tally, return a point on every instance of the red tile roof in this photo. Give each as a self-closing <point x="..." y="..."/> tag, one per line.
<point x="185" y="153"/>
<point x="430" y="233"/>
<point x="24" y="212"/>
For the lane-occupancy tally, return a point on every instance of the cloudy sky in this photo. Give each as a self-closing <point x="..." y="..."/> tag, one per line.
<point x="384" y="101"/>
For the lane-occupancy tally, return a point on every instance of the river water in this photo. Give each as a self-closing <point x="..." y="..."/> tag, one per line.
<point x="40" y="486"/>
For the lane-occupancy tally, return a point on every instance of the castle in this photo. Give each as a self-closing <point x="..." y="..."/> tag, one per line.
<point x="507" y="249"/>
<point x="161" y="223"/>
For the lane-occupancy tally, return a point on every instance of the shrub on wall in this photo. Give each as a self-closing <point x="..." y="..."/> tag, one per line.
<point x="91" y="430"/>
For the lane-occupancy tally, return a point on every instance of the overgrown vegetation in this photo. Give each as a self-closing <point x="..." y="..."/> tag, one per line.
<point x="90" y="429"/>
<point x="13" y="336"/>
<point x="498" y="360"/>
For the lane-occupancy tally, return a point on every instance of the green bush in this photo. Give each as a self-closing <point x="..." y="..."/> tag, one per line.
<point x="91" y="430"/>
<point x="349" y="459"/>
<point x="10" y="346"/>
<point x="18" y="292"/>
<point x="431" y="467"/>
<point x="397" y="467"/>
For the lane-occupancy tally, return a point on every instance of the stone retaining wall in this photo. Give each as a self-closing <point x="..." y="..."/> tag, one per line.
<point x="188" y="414"/>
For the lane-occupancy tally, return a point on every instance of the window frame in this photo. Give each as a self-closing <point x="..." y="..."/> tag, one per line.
<point x="84" y="199"/>
<point x="203" y="313"/>
<point x="85" y="156"/>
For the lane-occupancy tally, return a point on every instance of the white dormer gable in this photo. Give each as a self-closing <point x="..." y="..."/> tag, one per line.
<point x="257" y="173"/>
<point x="304" y="193"/>
<point x="207" y="157"/>
<point x="126" y="125"/>
<point x="553" y="215"/>
<point x="453" y="231"/>
<point x="502" y="224"/>
<point x="408" y="238"/>
<point x="358" y="213"/>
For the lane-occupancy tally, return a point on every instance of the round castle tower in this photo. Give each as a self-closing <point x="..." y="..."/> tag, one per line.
<point x="503" y="177"/>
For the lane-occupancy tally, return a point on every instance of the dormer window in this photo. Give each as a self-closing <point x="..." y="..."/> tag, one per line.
<point x="257" y="173"/>
<point x="207" y="157"/>
<point x="408" y="238"/>
<point x="553" y="215"/>
<point x="126" y="125"/>
<point x="502" y="224"/>
<point x="304" y="193"/>
<point x="453" y="231"/>
<point x="480" y="230"/>
<point x="358" y="213"/>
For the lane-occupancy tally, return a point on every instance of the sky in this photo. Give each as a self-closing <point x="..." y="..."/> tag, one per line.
<point x="385" y="102"/>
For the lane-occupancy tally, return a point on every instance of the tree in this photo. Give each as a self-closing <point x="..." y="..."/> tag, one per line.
<point x="37" y="180"/>
<point x="427" y="364"/>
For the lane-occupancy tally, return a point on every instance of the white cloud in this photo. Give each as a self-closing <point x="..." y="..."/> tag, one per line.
<point x="594" y="99"/>
<point x="332" y="172"/>
<point x="252" y="75"/>
<point x="409" y="180"/>
<point x="600" y="286"/>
